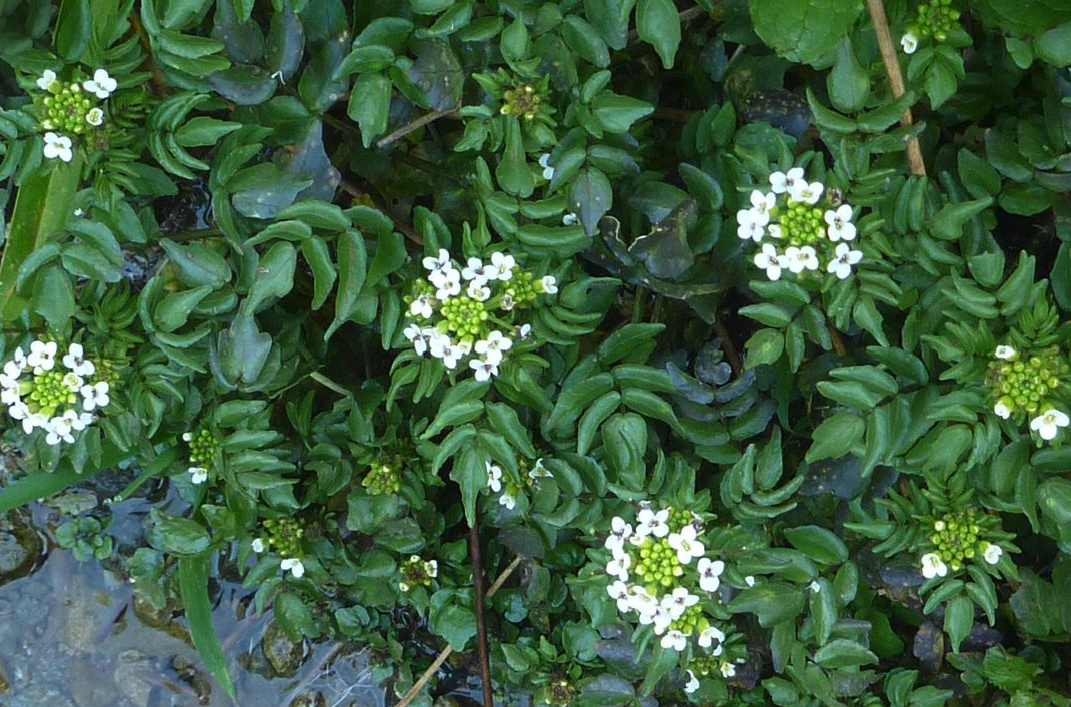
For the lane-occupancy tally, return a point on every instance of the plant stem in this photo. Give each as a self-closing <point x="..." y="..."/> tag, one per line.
<point x="838" y="342"/>
<point x="728" y="347"/>
<point x="896" y="79"/>
<point x="446" y="652"/>
<point x="481" y="625"/>
<point x="414" y="125"/>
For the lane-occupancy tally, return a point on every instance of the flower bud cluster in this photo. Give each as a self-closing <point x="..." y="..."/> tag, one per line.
<point x="417" y="572"/>
<point x="523" y="100"/>
<point x="467" y="312"/>
<point x="807" y="231"/>
<point x="70" y="109"/>
<point x="657" y="566"/>
<point x="957" y="538"/>
<point x="383" y="478"/>
<point x="936" y="18"/>
<point x="203" y="446"/>
<point x="1031" y="383"/>
<point x="560" y="692"/>
<point x="43" y="396"/>
<point x="283" y="536"/>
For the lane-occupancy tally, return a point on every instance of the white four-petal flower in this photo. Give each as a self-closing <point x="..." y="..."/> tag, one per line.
<point x="101" y="84"/>
<point x="933" y="566"/>
<point x="1048" y="424"/>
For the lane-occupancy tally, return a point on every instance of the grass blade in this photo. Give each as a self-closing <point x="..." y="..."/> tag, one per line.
<point x="193" y="585"/>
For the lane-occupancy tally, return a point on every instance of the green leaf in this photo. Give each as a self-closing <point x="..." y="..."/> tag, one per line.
<point x="948" y="223"/>
<point x="193" y="587"/>
<point x="198" y="265"/>
<point x="457" y="624"/>
<point x="469" y="471"/>
<point x="203" y="130"/>
<point x="1055" y="45"/>
<point x="369" y="105"/>
<point x="764" y="348"/>
<point x="513" y="172"/>
<point x="617" y="113"/>
<point x="590" y="198"/>
<point x="658" y="24"/>
<point x="848" y="83"/>
<point x="843" y="653"/>
<point x="771" y="602"/>
<point x="352" y="268"/>
<point x="179" y="536"/>
<point x="804" y="30"/>
<point x="274" y="276"/>
<point x="819" y="544"/>
<point x="959" y="617"/>
<point x="73" y="25"/>
<point x="263" y="190"/>
<point x="42" y="207"/>
<point x="53" y="296"/>
<point x="836" y="436"/>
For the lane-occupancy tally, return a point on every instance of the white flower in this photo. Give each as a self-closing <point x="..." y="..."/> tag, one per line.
<point x="618" y="566"/>
<point x="651" y="523"/>
<point x="1002" y="410"/>
<point x="677" y="602"/>
<point x="492" y="347"/>
<point x="693" y="682"/>
<point x="544" y="162"/>
<point x="749" y="580"/>
<point x="1049" y="423"/>
<point x="475" y="271"/>
<point x="675" y="640"/>
<point x="42" y="356"/>
<point x="761" y="204"/>
<point x="494" y="477"/>
<point x="258" y="545"/>
<point x="909" y="43"/>
<point x="47" y="79"/>
<point x="707" y="637"/>
<point x="478" y="291"/>
<point x="101" y="84"/>
<point x="404" y="586"/>
<point x="618" y="591"/>
<point x="448" y="283"/>
<point x="1005" y="352"/>
<point x="502" y="266"/>
<point x="992" y="553"/>
<point x="550" y="284"/>
<point x="76" y="363"/>
<point x="485" y="368"/>
<point x="807" y="193"/>
<point x="187" y="436"/>
<point x="294" y="565"/>
<point x="95" y="396"/>
<point x="846" y="258"/>
<point x="800" y="259"/>
<point x="770" y="261"/>
<point x="619" y="530"/>
<point x="781" y="182"/>
<point x="815" y="587"/>
<point x="524" y="331"/>
<point x="421" y="307"/>
<point x="58" y="428"/>
<point x="538" y="471"/>
<point x="438" y="264"/>
<point x="643" y="603"/>
<point x="431" y="569"/>
<point x="198" y="475"/>
<point x="728" y="670"/>
<point x="749" y="229"/>
<point x="418" y="336"/>
<point x="443" y="348"/>
<point x="933" y="566"/>
<point x="10" y="396"/>
<point x="76" y="421"/>
<point x="569" y="219"/>
<point x="95" y="117"/>
<point x="710" y="574"/>
<point x="840" y="226"/>
<point x="686" y="545"/>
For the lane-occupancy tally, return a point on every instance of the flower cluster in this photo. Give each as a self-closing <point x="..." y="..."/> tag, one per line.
<point x="283" y="535"/>
<point x="42" y="396"/>
<point x="936" y="18"/>
<point x="507" y="492"/>
<point x="202" y="449"/>
<point x="706" y="665"/>
<point x="809" y="231"/>
<point x="466" y="312"/>
<point x="1030" y="383"/>
<point x="655" y="566"/>
<point x="957" y="538"/>
<point x="417" y="573"/>
<point x="383" y="478"/>
<point x="71" y="108"/>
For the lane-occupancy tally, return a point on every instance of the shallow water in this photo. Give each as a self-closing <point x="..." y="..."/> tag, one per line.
<point x="70" y="637"/>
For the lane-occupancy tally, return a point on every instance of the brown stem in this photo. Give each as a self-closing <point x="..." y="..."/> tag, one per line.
<point x="728" y="347"/>
<point x="481" y="625"/>
<point x="159" y="86"/>
<point x="838" y="342"/>
<point x="676" y="115"/>
<point x="896" y="79"/>
<point x="448" y="651"/>
<point x="414" y="125"/>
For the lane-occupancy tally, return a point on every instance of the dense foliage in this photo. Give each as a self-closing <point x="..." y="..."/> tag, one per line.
<point x="656" y="292"/>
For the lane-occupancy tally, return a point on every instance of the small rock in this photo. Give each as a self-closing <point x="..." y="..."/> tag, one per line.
<point x="131" y="667"/>
<point x="284" y="655"/>
<point x="20" y="547"/>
